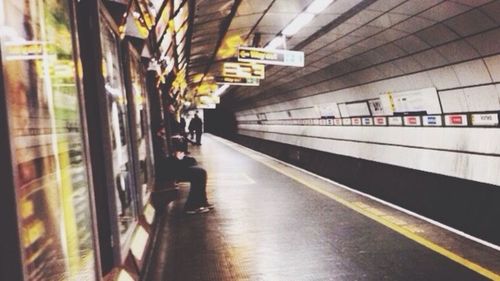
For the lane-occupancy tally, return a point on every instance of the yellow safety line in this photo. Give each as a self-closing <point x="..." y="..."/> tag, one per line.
<point x="401" y="230"/>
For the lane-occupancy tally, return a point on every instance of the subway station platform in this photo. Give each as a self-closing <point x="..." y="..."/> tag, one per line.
<point x="273" y="221"/>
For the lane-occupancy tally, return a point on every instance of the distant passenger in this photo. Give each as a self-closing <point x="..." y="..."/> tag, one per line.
<point x="182" y="127"/>
<point x="196" y="125"/>
<point x="178" y="166"/>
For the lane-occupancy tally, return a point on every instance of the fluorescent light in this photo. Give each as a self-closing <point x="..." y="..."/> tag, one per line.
<point x="318" y="6"/>
<point x="221" y="90"/>
<point x="277" y="41"/>
<point x="299" y="22"/>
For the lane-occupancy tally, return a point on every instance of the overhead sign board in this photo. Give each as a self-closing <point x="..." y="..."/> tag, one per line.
<point x="236" y="81"/>
<point x="243" y="70"/>
<point x="276" y="57"/>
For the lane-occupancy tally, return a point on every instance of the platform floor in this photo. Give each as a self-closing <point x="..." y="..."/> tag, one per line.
<point x="275" y="222"/>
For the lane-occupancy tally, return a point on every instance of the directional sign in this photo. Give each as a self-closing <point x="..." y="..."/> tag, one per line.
<point x="243" y="70"/>
<point x="237" y="81"/>
<point x="265" y="56"/>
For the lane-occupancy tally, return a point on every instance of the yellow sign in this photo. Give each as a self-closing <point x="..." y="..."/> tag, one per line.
<point x="265" y="56"/>
<point x="237" y="81"/>
<point x="243" y="70"/>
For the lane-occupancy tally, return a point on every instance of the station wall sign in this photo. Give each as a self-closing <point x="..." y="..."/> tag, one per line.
<point x="243" y="70"/>
<point x="337" y="122"/>
<point x="395" y="121"/>
<point x="266" y="56"/>
<point x="432" y="120"/>
<point x="456" y="120"/>
<point x="356" y="121"/>
<point x="367" y="121"/>
<point x="412" y="121"/>
<point x="346" y="121"/>
<point x="380" y="121"/>
<point x="236" y="81"/>
<point x="488" y="119"/>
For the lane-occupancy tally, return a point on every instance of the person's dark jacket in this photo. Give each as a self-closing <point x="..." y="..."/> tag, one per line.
<point x="173" y="168"/>
<point x="196" y="124"/>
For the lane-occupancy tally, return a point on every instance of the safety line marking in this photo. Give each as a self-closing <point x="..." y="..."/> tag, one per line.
<point x="403" y="230"/>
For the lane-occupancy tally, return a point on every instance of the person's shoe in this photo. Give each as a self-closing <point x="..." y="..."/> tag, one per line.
<point x="199" y="210"/>
<point x="209" y="206"/>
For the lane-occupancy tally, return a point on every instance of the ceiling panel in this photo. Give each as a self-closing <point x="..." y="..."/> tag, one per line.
<point x="388" y="20"/>
<point x="486" y="43"/>
<point x="492" y="10"/>
<point x="364" y="17"/>
<point x="385" y="5"/>
<point x="437" y="35"/>
<point x="469" y="23"/>
<point x="457" y="51"/>
<point x="444" y="10"/>
<point x="414" y="7"/>
<point x="430" y="59"/>
<point x="411" y="44"/>
<point x="408" y="65"/>
<point x="414" y="24"/>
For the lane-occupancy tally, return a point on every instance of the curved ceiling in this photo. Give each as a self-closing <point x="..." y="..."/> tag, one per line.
<point x="350" y="43"/>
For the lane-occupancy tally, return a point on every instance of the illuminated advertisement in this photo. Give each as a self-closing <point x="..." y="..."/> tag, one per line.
<point x="119" y="129"/>
<point x="142" y="125"/>
<point x="49" y="158"/>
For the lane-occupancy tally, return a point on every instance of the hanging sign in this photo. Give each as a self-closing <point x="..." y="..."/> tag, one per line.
<point x="243" y="70"/>
<point x="266" y="56"/>
<point x="236" y="81"/>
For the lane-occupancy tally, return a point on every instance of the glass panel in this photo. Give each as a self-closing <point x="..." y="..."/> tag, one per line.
<point x="45" y="126"/>
<point x="120" y="132"/>
<point x="141" y="113"/>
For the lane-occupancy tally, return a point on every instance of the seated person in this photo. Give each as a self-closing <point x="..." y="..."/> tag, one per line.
<point x="178" y="166"/>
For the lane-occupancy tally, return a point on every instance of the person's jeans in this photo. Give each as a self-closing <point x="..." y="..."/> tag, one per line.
<point x="197" y="177"/>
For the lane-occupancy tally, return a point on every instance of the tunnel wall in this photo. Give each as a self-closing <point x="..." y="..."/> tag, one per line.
<point x="463" y="89"/>
<point x="408" y="112"/>
<point x="416" y="166"/>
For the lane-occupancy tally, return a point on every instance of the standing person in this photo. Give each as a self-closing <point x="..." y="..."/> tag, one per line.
<point x="181" y="167"/>
<point x="182" y="127"/>
<point x="191" y="129"/>
<point x="197" y="126"/>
